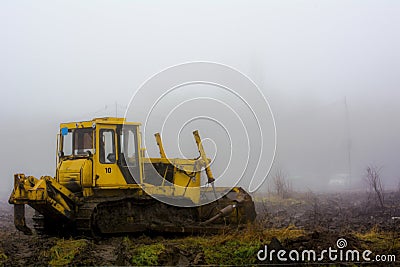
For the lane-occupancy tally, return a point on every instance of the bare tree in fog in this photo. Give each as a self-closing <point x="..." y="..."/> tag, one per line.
<point x="374" y="182"/>
<point x="281" y="184"/>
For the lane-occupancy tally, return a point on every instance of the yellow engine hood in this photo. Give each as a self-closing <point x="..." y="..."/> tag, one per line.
<point x="75" y="173"/>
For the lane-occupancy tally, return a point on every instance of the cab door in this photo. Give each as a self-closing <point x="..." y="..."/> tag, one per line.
<point x="129" y="157"/>
<point x="107" y="170"/>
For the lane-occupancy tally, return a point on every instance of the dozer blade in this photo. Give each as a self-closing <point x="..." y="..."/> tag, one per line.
<point x="19" y="219"/>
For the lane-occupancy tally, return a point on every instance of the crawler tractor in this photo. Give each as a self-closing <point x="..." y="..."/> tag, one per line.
<point x="105" y="185"/>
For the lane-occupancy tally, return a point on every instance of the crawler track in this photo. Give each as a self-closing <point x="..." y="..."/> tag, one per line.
<point x="105" y="216"/>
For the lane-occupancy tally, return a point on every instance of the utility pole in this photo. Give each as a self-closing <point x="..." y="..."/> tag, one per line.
<point x="348" y="138"/>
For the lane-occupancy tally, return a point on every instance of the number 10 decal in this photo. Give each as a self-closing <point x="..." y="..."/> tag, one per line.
<point x="108" y="170"/>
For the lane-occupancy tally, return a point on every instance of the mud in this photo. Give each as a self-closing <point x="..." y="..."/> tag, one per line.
<point x="340" y="212"/>
<point x="319" y="221"/>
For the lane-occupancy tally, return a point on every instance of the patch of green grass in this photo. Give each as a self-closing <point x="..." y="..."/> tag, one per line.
<point x="233" y="248"/>
<point x="290" y="232"/>
<point x="229" y="249"/>
<point x="232" y="252"/>
<point x="274" y="199"/>
<point x="65" y="251"/>
<point x="237" y="248"/>
<point x="380" y="240"/>
<point x="147" y="255"/>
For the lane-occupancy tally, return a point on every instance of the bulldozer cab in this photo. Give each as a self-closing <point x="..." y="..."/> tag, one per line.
<point x="106" y="153"/>
<point x="100" y="153"/>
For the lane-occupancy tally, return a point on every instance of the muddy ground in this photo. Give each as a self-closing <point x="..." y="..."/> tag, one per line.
<point x="300" y="221"/>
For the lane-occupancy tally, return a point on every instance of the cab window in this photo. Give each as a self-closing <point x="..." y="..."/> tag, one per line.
<point x="67" y="144"/>
<point x="77" y="142"/>
<point x="83" y="141"/>
<point x="128" y="146"/>
<point x="107" y="146"/>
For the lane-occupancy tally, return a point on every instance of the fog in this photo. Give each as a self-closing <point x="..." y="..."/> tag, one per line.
<point x="329" y="69"/>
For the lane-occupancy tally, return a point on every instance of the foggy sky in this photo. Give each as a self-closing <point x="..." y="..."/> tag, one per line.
<point x="65" y="61"/>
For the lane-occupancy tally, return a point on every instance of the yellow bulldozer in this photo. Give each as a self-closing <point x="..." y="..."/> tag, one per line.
<point x="105" y="185"/>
